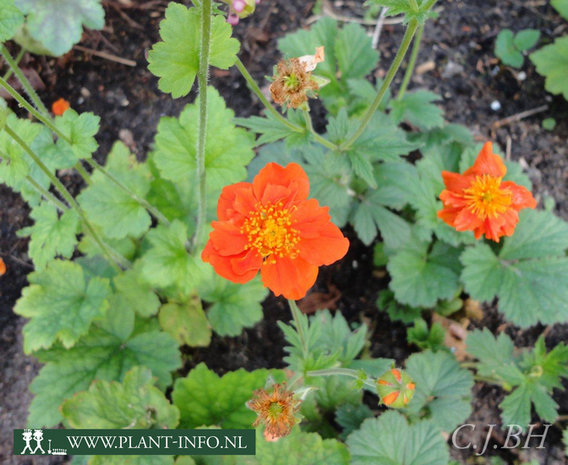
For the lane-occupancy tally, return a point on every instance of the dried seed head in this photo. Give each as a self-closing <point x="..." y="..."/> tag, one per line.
<point x="292" y="84"/>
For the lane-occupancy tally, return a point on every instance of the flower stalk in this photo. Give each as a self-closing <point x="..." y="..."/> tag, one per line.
<point x="404" y="46"/>
<point x="202" y="77"/>
<point x="411" y="63"/>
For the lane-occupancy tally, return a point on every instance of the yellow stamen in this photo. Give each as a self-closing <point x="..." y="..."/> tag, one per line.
<point x="486" y="199"/>
<point x="269" y="230"/>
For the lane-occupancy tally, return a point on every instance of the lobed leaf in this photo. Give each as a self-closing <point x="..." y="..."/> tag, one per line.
<point x="11" y="19"/>
<point x="551" y="62"/>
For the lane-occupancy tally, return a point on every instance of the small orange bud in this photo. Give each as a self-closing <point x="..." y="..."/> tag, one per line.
<point x="2" y="267"/>
<point x="60" y="106"/>
<point x="395" y="388"/>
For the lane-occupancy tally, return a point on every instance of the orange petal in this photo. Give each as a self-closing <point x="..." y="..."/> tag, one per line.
<point x="227" y="239"/>
<point x="456" y="182"/>
<point x="390" y="398"/>
<point x="466" y="220"/>
<point x="236" y="200"/>
<point x="227" y="266"/>
<point x="289" y="277"/>
<point x="452" y="199"/>
<point x="487" y="163"/>
<point x="396" y="374"/>
<point x="2" y="267"/>
<point x="60" y="106"/>
<point x="448" y="215"/>
<point x="292" y="177"/>
<point x="522" y="197"/>
<point x="321" y="242"/>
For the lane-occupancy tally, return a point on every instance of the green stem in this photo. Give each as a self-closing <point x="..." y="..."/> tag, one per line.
<point x="111" y="255"/>
<point x="297" y="316"/>
<point x="369" y="382"/>
<point x="23" y="80"/>
<point x="25" y="104"/>
<point x="202" y="77"/>
<point x="404" y="46"/>
<point x="254" y="87"/>
<point x="487" y="379"/>
<point x="47" y="195"/>
<point x="17" y="60"/>
<point x="83" y="172"/>
<point x="411" y="62"/>
<point x="414" y="5"/>
<point x="153" y="210"/>
<point x="316" y="136"/>
<point x="428" y="5"/>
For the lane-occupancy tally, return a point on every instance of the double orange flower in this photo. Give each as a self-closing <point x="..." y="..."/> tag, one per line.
<point x="270" y="225"/>
<point x="480" y="201"/>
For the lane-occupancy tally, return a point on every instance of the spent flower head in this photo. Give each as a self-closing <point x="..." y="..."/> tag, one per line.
<point x="480" y="201"/>
<point x="293" y="82"/>
<point x="276" y="410"/>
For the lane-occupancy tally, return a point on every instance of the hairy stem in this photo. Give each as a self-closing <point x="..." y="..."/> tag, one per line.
<point x="369" y="382"/>
<point x="411" y="62"/>
<point x="404" y="46"/>
<point x="47" y="195"/>
<point x="111" y="255"/>
<point x="202" y="77"/>
<point x="23" y="80"/>
<point x="17" y="60"/>
<point x="315" y="135"/>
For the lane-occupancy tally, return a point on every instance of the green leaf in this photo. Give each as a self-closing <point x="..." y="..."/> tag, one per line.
<point x="100" y="355"/>
<point x="526" y="39"/>
<point x="421" y="277"/>
<point x="417" y="109"/>
<point x="562" y="7"/>
<point x="387" y="303"/>
<point x="350" y="417"/>
<point x="205" y="399"/>
<point x="176" y="145"/>
<point x="168" y="263"/>
<point x="355" y="55"/>
<point x="62" y="304"/>
<point x="10" y="20"/>
<point x="186" y="323"/>
<point x="552" y="63"/>
<point x="81" y="130"/>
<point x="175" y="60"/>
<point x="109" y="206"/>
<point x="298" y="448"/>
<point x="133" y="403"/>
<point x="506" y="50"/>
<point x="495" y="356"/>
<point x="58" y="24"/>
<point x="390" y="440"/>
<point x="530" y="273"/>
<point x="232" y="307"/>
<point x="426" y="338"/>
<point x="51" y="235"/>
<point x="443" y="388"/>
<point x="133" y="292"/>
<point x="269" y="128"/>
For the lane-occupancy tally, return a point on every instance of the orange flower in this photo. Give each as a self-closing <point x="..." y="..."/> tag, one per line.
<point x="277" y="411"/>
<point x="272" y="226"/>
<point x="2" y="267"/>
<point x="60" y="106"/>
<point x="479" y="201"/>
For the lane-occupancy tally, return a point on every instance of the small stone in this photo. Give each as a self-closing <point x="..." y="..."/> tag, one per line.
<point x="522" y="76"/>
<point x="495" y="105"/>
<point x="86" y="93"/>
<point x="452" y="69"/>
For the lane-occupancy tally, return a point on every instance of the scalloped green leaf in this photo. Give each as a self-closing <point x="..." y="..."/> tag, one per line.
<point x="51" y="235"/>
<point x="80" y="129"/>
<point x="390" y="440"/>
<point x="175" y="60"/>
<point x="101" y="355"/>
<point x="443" y="388"/>
<point x="551" y="62"/>
<point x="206" y="399"/>
<point x="421" y="276"/>
<point x="186" y="322"/>
<point x="11" y="18"/>
<point x="529" y="274"/>
<point x="418" y="109"/>
<point x="127" y="404"/>
<point x="176" y="142"/>
<point x="58" y="24"/>
<point x="61" y="304"/>
<point x="110" y="207"/>
<point x="167" y="262"/>
<point x="232" y="307"/>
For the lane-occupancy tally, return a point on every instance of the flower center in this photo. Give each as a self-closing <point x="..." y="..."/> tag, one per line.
<point x="485" y="198"/>
<point x="269" y="231"/>
<point x="275" y="410"/>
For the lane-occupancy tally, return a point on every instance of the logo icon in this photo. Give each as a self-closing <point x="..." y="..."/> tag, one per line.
<point x="29" y="436"/>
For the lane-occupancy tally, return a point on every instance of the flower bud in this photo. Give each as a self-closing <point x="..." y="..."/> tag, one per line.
<point x="395" y="388"/>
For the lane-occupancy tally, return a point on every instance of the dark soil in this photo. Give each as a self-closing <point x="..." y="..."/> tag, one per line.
<point x="458" y="47"/>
